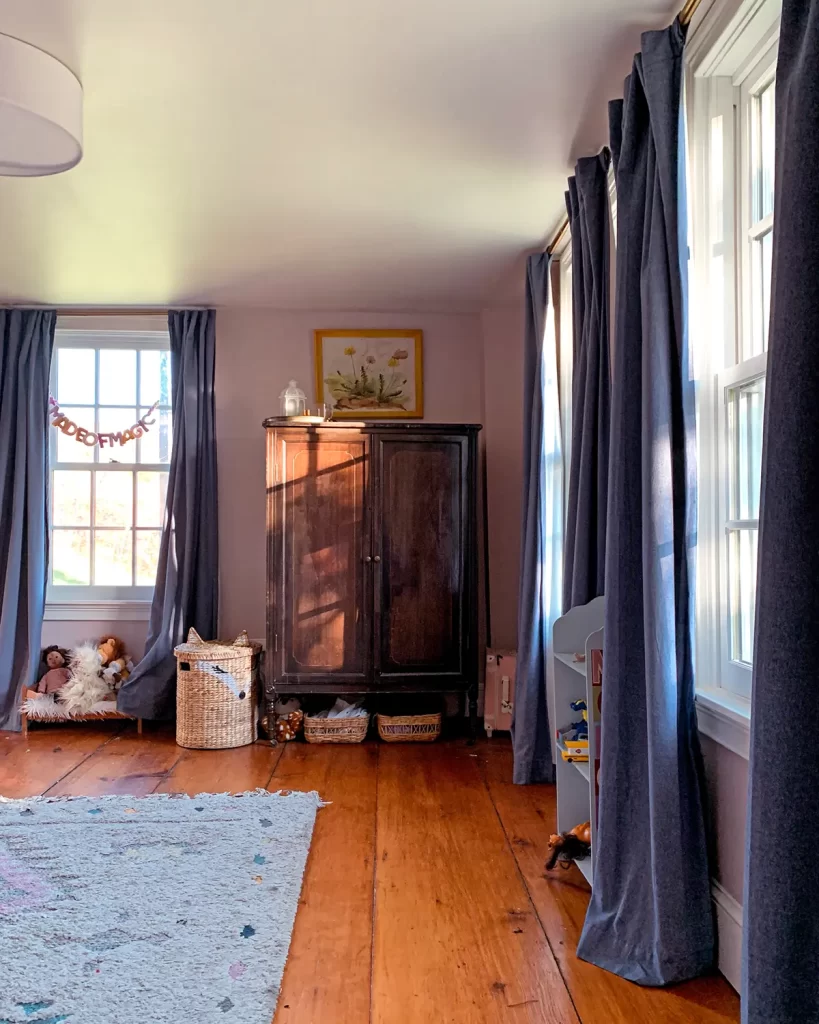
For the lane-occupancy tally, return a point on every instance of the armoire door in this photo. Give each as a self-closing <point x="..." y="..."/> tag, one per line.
<point x="421" y="522"/>
<point x="320" y="535"/>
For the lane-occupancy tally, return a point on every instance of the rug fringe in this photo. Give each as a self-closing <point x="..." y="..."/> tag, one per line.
<point x="259" y="793"/>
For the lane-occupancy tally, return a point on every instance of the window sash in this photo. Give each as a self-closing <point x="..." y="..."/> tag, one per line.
<point x="725" y="74"/>
<point x="140" y="341"/>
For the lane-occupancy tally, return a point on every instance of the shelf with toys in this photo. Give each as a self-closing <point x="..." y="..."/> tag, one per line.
<point x="575" y="714"/>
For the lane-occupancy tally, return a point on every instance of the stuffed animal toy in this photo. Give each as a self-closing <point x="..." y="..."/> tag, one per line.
<point x="568" y="846"/>
<point x="116" y="665"/>
<point x="56" y="674"/>
<point x="87" y="686"/>
<point x="288" y="726"/>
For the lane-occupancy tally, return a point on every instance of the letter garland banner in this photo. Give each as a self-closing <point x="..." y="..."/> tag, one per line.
<point x="89" y="437"/>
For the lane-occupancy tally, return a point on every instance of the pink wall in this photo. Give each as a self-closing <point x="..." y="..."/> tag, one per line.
<point x="257" y="352"/>
<point x="69" y="634"/>
<point x="503" y="432"/>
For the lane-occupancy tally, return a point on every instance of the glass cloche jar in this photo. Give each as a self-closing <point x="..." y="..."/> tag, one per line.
<point x="292" y="400"/>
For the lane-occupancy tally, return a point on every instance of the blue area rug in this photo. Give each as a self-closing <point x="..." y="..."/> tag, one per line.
<point x="160" y="910"/>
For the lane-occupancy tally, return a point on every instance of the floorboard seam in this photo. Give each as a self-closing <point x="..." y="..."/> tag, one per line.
<point x="282" y="747"/>
<point x="375" y="885"/>
<point x="522" y="877"/>
<point x="168" y="773"/>
<point x="80" y="763"/>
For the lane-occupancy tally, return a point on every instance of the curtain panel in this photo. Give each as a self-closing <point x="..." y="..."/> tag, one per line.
<point x="585" y="542"/>
<point x="542" y="539"/>
<point x="187" y="581"/>
<point x="26" y="344"/>
<point x="650" y="915"/>
<point x="781" y="902"/>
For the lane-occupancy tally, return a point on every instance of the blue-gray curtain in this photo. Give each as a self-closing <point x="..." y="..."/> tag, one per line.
<point x="540" y="573"/>
<point x="26" y="343"/>
<point x="187" y="581"/>
<point x="781" y="903"/>
<point x="587" y="202"/>
<point x="650" y="915"/>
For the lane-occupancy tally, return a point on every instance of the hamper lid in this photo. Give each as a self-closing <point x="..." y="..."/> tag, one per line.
<point x="214" y="648"/>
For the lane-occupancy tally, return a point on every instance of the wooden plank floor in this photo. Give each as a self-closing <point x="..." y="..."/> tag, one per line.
<point x="425" y="898"/>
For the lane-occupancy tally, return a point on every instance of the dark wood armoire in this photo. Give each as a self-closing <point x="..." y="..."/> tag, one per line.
<point x="372" y="559"/>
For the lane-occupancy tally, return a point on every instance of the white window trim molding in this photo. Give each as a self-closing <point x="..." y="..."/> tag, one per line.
<point x="725" y="717"/>
<point x="97" y="611"/>
<point x="725" y="40"/>
<point x="98" y="602"/>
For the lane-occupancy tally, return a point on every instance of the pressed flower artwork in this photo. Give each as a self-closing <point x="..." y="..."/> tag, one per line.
<point x="370" y="374"/>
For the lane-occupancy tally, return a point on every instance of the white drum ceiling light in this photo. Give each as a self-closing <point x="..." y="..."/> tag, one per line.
<point x="40" y="112"/>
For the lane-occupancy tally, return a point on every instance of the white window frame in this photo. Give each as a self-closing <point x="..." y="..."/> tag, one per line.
<point x="67" y="602"/>
<point x="730" y="58"/>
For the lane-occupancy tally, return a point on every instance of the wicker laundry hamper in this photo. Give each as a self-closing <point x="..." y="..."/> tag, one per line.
<point x="215" y="692"/>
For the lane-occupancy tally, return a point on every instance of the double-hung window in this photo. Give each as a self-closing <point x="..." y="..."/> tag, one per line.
<point x="730" y="110"/>
<point x="108" y="496"/>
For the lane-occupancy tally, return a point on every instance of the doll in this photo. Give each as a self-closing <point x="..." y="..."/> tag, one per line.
<point x="56" y="675"/>
<point x="569" y="846"/>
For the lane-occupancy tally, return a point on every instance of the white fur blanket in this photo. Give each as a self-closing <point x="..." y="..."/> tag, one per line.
<point x="49" y="708"/>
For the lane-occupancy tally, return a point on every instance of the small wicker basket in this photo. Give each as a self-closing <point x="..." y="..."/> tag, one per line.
<point x="409" y="728"/>
<point x="215" y="693"/>
<point x="336" y="730"/>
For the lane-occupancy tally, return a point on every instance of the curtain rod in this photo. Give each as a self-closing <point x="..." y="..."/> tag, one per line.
<point x="685" y="16"/>
<point x="119" y="311"/>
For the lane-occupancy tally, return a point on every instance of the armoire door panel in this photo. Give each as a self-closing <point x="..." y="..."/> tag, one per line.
<point x="325" y="587"/>
<point x="419" y="538"/>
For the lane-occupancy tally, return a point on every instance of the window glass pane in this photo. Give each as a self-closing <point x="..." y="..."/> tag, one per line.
<point x="716" y="229"/>
<point x="767" y="150"/>
<point x="114" y="503"/>
<point x="151" y="491"/>
<point x="69" y="449"/>
<point x="70" y="557"/>
<point x="155" y="377"/>
<point x="118" y="376"/>
<point x="742" y="553"/>
<point x="115" y="421"/>
<point x="746" y="410"/>
<point x="155" y="445"/>
<point x="76" y="376"/>
<point x="71" y="492"/>
<point x="112" y="558"/>
<point x="147" y="556"/>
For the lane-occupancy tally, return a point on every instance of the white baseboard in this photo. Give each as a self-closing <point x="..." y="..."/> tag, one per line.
<point x="729" y="934"/>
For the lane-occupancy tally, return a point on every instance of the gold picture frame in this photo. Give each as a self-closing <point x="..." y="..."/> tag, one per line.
<point x="384" y="379"/>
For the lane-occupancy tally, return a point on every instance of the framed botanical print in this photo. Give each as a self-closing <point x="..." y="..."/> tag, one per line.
<point x="371" y="374"/>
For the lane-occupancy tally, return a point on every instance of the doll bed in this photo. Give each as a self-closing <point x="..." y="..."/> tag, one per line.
<point x="46" y="709"/>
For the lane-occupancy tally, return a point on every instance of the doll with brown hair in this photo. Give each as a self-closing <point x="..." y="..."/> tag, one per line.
<point x="55" y="659"/>
<point x="568" y="846"/>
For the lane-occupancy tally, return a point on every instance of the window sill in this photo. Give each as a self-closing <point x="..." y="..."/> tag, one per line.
<point x="725" y="717"/>
<point x="97" y="611"/>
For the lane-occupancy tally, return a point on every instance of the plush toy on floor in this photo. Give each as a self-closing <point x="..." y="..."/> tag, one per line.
<point x="569" y="846"/>
<point x="55" y="659"/>
<point x="289" y="726"/>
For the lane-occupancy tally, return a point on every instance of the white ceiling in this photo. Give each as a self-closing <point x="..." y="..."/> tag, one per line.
<point x="325" y="154"/>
